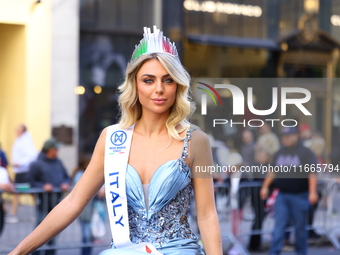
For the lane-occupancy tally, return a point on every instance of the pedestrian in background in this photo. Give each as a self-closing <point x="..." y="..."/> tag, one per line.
<point x="296" y="191"/>
<point x="248" y="147"/>
<point x="23" y="153"/>
<point x="3" y="158"/>
<point x="48" y="173"/>
<point x="317" y="145"/>
<point x="262" y="158"/>
<point x="220" y="153"/>
<point x="5" y="185"/>
<point x="267" y="139"/>
<point x="314" y="141"/>
<point x="86" y="215"/>
<point x="237" y="198"/>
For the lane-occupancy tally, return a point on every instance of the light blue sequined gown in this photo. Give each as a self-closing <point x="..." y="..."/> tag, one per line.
<point x="165" y="222"/>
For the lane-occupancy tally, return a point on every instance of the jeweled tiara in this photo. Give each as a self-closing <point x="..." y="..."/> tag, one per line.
<point x="154" y="42"/>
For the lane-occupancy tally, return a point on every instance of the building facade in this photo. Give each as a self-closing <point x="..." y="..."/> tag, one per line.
<point x="39" y="71"/>
<point x="216" y="39"/>
<point x="268" y="39"/>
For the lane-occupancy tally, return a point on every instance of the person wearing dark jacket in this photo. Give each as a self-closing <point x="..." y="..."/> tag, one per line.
<point x="3" y="158"/>
<point x="48" y="173"/>
<point x="297" y="190"/>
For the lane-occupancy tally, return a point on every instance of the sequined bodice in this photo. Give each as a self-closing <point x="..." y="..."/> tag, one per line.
<point x="169" y="200"/>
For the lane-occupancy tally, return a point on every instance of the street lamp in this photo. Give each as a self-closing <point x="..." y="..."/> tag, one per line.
<point x="311" y="6"/>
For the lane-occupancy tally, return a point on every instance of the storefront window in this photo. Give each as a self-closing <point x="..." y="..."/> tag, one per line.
<point x="289" y="12"/>
<point x="109" y="31"/>
<point x="226" y="17"/>
<point x="103" y="59"/>
<point x="335" y="19"/>
<point x="116" y="15"/>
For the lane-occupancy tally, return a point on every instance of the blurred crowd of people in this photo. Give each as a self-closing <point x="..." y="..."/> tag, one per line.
<point x="42" y="170"/>
<point x="292" y="196"/>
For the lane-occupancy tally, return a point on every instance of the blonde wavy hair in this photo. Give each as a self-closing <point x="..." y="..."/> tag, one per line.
<point x="131" y="109"/>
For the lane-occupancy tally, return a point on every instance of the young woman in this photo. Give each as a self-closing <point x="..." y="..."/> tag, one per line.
<point x="159" y="181"/>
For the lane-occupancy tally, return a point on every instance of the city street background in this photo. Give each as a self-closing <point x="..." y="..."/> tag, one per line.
<point x="71" y="236"/>
<point x="63" y="60"/>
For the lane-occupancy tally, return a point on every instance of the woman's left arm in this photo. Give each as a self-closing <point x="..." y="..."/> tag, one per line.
<point x="200" y="159"/>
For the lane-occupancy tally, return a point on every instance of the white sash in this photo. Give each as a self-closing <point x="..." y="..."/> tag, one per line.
<point x="117" y="150"/>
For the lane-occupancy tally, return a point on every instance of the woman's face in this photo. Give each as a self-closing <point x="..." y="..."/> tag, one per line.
<point x="155" y="87"/>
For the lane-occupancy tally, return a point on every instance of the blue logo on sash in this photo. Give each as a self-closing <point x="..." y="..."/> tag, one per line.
<point x="118" y="138"/>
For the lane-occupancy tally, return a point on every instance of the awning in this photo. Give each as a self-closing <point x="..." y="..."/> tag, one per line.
<point x="235" y="42"/>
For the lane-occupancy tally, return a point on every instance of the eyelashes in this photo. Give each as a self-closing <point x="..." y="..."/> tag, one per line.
<point x="169" y="80"/>
<point x="150" y="81"/>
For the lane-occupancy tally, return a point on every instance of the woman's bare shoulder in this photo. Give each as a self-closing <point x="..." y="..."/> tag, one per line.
<point x="100" y="145"/>
<point x="199" y="143"/>
<point x="200" y="153"/>
<point x="102" y="136"/>
<point x="198" y="136"/>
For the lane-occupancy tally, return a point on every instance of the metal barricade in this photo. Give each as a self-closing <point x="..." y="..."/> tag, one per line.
<point x="250" y="220"/>
<point x="327" y="218"/>
<point x="222" y="200"/>
<point x="253" y="222"/>
<point x="35" y="204"/>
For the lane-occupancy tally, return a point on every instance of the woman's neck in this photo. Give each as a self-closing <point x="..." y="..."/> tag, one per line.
<point x="151" y="126"/>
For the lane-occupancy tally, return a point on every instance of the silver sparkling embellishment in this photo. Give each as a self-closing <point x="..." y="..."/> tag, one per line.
<point x="169" y="223"/>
